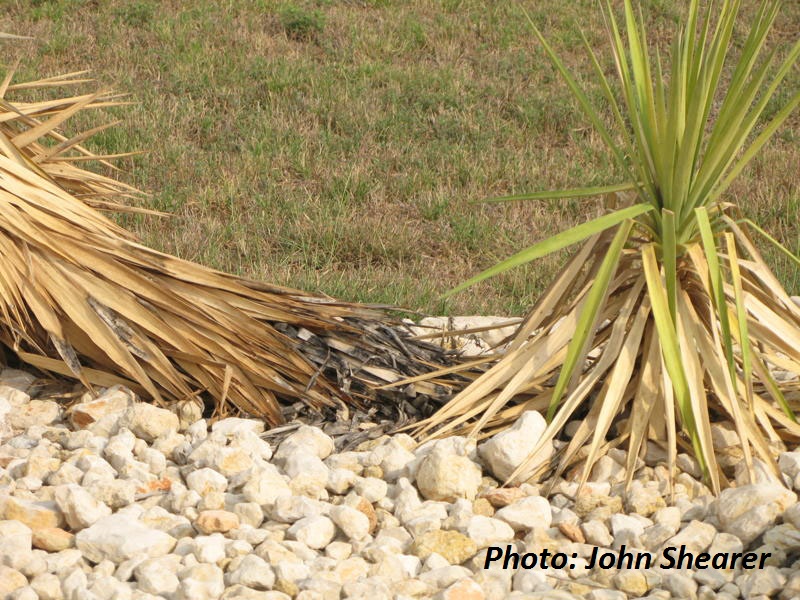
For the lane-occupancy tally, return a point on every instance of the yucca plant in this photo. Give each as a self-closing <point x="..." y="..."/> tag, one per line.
<point x="667" y="319"/>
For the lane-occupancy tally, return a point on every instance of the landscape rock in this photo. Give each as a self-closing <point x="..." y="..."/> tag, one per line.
<point x="315" y="532"/>
<point x="101" y="415"/>
<point x="527" y="513"/>
<point x="789" y="463"/>
<point x="444" y="475"/>
<point x="206" y="481"/>
<point x="5" y="426"/>
<point x="761" y="582"/>
<point x="785" y="536"/>
<point x="309" y="475"/>
<point x="393" y="457"/>
<point x="607" y="469"/>
<point x="644" y="500"/>
<point x="231" y="426"/>
<point x="10" y="580"/>
<point x="453" y="546"/>
<point x="363" y="505"/>
<point x="308" y="439"/>
<point x="120" y="537"/>
<point x="500" y="497"/>
<point x="249" y="513"/>
<point x="208" y="548"/>
<point x="463" y="589"/>
<point x="679" y="585"/>
<point x="216" y="521"/>
<point x="626" y="524"/>
<point x="596" y="533"/>
<point x="159" y="518"/>
<point x="80" y="509"/>
<point x="17" y="540"/>
<point x="340" y="480"/>
<point x="288" y="509"/>
<point x="47" y="586"/>
<point x="52" y="539"/>
<point x="35" y="515"/>
<point x="149" y="422"/>
<point x="189" y="411"/>
<point x="507" y="450"/>
<point x="371" y="489"/>
<point x="213" y="514"/>
<point x="75" y="584"/>
<point x="353" y="523"/>
<point x="696" y="536"/>
<point x="265" y="485"/>
<point x="253" y="572"/>
<point x="35" y="412"/>
<point x="633" y="582"/>
<point x="228" y="460"/>
<point x="158" y="575"/>
<point x="748" y="511"/>
<point x="201" y="582"/>
<point x="487" y="531"/>
<point x="250" y="442"/>
<point x="669" y="517"/>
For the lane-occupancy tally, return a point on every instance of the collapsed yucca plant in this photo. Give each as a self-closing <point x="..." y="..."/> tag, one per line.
<point x="667" y="318"/>
<point x="80" y="297"/>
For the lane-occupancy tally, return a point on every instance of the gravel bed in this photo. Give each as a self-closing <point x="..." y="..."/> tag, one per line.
<point x="119" y="499"/>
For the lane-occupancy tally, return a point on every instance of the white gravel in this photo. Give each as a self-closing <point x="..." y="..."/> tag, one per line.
<point x="118" y="499"/>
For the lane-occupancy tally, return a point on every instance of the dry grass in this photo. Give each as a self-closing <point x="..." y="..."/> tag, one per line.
<point x="344" y="159"/>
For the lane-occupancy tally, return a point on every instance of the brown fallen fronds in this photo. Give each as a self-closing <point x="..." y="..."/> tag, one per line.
<point x="80" y="297"/>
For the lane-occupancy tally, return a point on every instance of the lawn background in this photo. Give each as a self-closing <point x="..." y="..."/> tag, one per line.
<point x="339" y="147"/>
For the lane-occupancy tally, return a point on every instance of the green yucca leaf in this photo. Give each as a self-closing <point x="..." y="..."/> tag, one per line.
<point x="586" y="105"/>
<point x="741" y="319"/>
<point x="754" y="148"/>
<point x="641" y="153"/>
<point x="609" y="95"/>
<point x="586" y="192"/>
<point x="557" y="242"/>
<point x="791" y="255"/>
<point x="669" y="253"/>
<point x="11" y="36"/>
<point x="717" y="175"/>
<point x="717" y="283"/>
<point x="670" y="349"/>
<point x="590" y="314"/>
